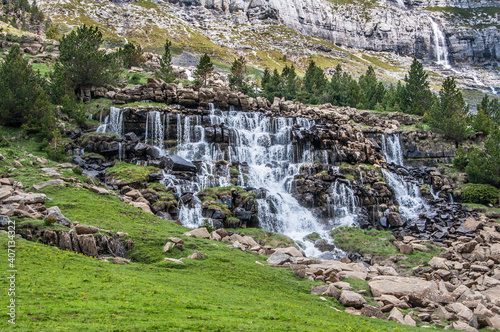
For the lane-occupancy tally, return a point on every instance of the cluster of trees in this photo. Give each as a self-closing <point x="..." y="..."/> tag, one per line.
<point x="27" y="99"/>
<point x="22" y="14"/>
<point x="343" y="90"/>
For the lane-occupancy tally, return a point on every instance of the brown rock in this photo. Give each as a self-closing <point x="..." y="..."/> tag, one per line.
<point x="396" y="316"/>
<point x="315" y="290"/>
<point x="417" y="290"/>
<point x="406" y="249"/>
<point x="332" y="291"/>
<point x="87" y="244"/>
<point x="196" y="255"/>
<point x="351" y="299"/>
<point x="42" y="185"/>
<point x="168" y="247"/>
<point x="371" y="311"/>
<point x="199" y="232"/>
<point x="85" y="229"/>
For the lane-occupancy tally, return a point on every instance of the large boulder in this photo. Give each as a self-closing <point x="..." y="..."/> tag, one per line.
<point x="417" y="290"/>
<point x="199" y="232"/>
<point x="26" y="198"/>
<point x="280" y="258"/>
<point x="351" y="299"/>
<point x="177" y="163"/>
<point x="55" y="213"/>
<point x="87" y="244"/>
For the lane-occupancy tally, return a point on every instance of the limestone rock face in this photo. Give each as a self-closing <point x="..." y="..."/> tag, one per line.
<point x="405" y="31"/>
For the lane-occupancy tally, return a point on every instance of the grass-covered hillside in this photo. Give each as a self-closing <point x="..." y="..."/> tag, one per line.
<point x="59" y="290"/>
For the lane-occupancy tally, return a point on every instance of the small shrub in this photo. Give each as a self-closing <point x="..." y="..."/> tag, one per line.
<point x="135" y="79"/>
<point x="77" y="170"/>
<point x="479" y="193"/>
<point x="50" y="220"/>
<point x="461" y="159"/>
<point x="4" y="142"/>
<point x="56" y="153"/>
<point x="208" y="226"/>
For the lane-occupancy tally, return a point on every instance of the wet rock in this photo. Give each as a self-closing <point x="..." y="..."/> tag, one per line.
<point x="177" y="163"/>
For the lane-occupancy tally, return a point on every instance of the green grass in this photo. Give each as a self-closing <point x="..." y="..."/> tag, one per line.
<point x="378" y="243"/>
<point x="63" y="291"/>
<point x="129" y="172"/>
<point x="467" y="13"/>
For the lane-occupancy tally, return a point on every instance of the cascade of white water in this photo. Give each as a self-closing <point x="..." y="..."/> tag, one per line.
<point x="407" y="193"/>
<point x="440" y="45"/>
<point x="392" y="150"/>
<point x="264" y="144"/>
<point x="342" y="208"/>
<point x="411" y="204"/>
<point x="113" y="124"/>
<point x="155" y="129"/>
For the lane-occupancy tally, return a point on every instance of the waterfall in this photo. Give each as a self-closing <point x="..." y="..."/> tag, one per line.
<point x="155" y="130"/>
<point x="113" y="124"/>
<point x="264" y="144"/>
<point x="407" y="193"/>
<point x="392" y="150"/>
<point x="440" y="45"/>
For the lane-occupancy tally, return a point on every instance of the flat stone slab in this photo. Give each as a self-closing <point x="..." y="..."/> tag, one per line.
<point x="42" y="185"/>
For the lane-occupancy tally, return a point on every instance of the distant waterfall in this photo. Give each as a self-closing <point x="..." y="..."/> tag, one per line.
<point x="113" y="124"/>
<point x="440" y="45"/>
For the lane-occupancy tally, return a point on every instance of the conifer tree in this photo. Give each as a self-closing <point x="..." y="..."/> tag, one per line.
<point x="132" y="55"/>
<point x="166" y="71"/>
<point x="239" y="72"/>
<point x="83" y="63"/>
<point x="23" y="100"/>
<point x="204" y="68"/>
<point x="449" y="115"/>
<point x="418" y="96"/>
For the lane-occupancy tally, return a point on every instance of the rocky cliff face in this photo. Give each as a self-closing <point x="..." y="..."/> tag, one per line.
<point x="389" y="26"/>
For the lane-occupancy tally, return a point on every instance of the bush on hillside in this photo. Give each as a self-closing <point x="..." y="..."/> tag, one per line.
<point x="480" y="193"/>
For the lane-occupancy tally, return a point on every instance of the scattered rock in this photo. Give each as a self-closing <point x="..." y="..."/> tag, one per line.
<point x="351" y="299"/>
<point x="199" y="232"/>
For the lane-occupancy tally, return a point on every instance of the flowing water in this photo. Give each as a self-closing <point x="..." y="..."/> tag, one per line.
<point x="407" y="192"/>
<point x="440" y="45"/>
<point x="113" y="124"/>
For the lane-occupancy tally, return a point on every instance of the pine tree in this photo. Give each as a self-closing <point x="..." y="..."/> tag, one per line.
<point x="83" y="63"/>
<point x="418" y="96"/>
<point x="449" y="115"/>
<point x="372" y="91"/>
<point x="166" y="71"/>
<point x="132" y="55"/>
<point x="239" y="72"/>
<point x="204" y="68"/>
<point x="23" y="100"/>
<point x="289" y="83"/>
<point x="314" y="83"/>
